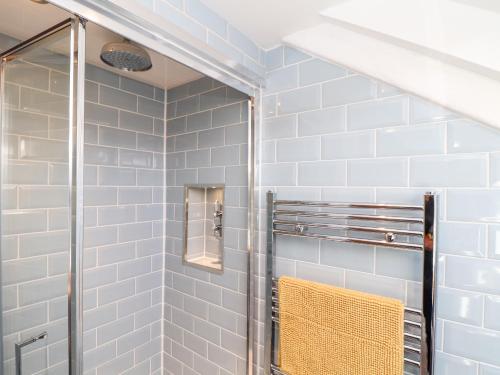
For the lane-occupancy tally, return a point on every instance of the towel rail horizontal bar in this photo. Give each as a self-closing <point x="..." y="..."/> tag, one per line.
<point x="360" y="217"/>
<point x="380" y="206"/>
<point x="412" y="362"/>
<point x="412" y="349"/>
<point x="412" y="336"/>
<point x="396" y="245"/>
<point x="355" y="228"/>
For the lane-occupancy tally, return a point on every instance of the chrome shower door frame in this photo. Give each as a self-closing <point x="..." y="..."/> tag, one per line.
<point x="75" y="177"/>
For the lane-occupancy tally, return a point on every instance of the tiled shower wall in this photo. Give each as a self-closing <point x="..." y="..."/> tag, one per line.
<point x="331" y="134"/>
<point x="124" y="181"/>
<point x="124" y="195"/>
<point x="204" y="312"/>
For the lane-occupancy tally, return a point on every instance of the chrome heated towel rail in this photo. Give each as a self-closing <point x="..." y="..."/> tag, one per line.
<point x="406" y="227"/>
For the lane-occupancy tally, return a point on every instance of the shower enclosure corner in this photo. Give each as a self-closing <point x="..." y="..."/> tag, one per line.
<point x="41" y="221"/>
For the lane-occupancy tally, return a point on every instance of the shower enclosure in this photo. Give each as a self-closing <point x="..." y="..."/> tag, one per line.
<point x="95" y="162"/>
<point x="42" y="88"/>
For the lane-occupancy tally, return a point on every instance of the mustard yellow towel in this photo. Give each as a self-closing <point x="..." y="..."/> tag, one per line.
<point x="326" y="330"/>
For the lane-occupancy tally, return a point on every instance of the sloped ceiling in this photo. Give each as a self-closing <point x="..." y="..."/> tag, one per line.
<point x="447" y="51"/>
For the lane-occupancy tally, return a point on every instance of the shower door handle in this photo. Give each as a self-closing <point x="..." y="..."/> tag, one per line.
<point x="22" y="344"/>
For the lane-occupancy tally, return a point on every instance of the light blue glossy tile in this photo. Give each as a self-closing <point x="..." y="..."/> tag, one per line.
<point x="279" y="127"/>
<point x="151" y="107"/>
<point x="176" y="126"/>
<point x="199" y="121"/>
<point x="473" y="205"/>
<point x="196" y="159"/>
<point x="299" y="149"/>
<point x="26" y="74"/>
<point x="411" y="140"/>
<point x="224" y="47"/>
<point x="206" y="16"/>
<point x="348" y="146"/>
<point x="211" y="138"/>
<point x="113" y="176"/>
<point x="449" y="171"/>
<point x="377" y="172"/>
<point x="347" y="194"/>
<point x="213" y="98"/>
<point x="299" y="100"/>
<point x="384" y="90"/>
<point x="463" y="239"/>
<point x="224" y="156"/>
<point x="100" y="75"/>
<point x="175" y="16"/>
<point x="303" y="249"/>
<point x="281" y="79"/>
<point x="489" y="370"/>
<point x="184" y="142"/>
<point x="269" y="106"/>
<point x="348" y="90"/>
<point x="188" y="106"/>
<point x="492" y="312"/>
<point x="282" y="174"/>
<point x="424" y="111"/>
<point x="177" y="93"/>
<point x="471" y="342"/>
<point x="495" y="170"/>
<point x="412" y="196"/>
<point x="200" y="85"/>
<point x="136" y="122"/>
<point x="214" y="175"/>
<point x="293" y="55"/>
<point x="274" y="58"/>
<point x="452" y="365"/>
<point x="473" y="274"/>
<point x="136" y="87"/>
<point x="401" y="264"/>
<point x="230" y="114"/>
<point x="100" y="115"/>
<point x="44" y="103"/>
<point x="322" y="173"/>
<point x="378" y="114"/>
<point x="379" y="285"/>
<point x="494" y="241"/>
<point x="323" y="121"/>
<point x="345" y="255"/>
<point x="315" y="71"/>
<point x="460" y="306"/>
<point x="320" y="273"/>
<point x="242" y="42"/>
<point x="236" y="134"/>
<point x="118" y="98"/>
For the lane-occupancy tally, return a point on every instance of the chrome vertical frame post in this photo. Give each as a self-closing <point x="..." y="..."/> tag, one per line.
<point x="269" y="275"/>
<point x="2" y="119"/>
<point x="75" y="157"/>
<point x="250" y="238"/>
<point x="429" y="273"/>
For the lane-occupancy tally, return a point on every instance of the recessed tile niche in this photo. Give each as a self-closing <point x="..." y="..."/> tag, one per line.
<point x="204" y="226"/>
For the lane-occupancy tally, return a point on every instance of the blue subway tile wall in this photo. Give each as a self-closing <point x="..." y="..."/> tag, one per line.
<point x="331" y="134"/>
<point x="205" y="313"/>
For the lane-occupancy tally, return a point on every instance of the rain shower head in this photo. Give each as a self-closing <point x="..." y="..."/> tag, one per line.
<point x="126" y="56"/>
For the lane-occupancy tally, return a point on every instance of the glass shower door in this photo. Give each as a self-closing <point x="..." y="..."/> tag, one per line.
<point x="38" y="102"/>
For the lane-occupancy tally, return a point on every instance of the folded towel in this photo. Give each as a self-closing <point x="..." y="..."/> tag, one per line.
<point x="325" y="330"/>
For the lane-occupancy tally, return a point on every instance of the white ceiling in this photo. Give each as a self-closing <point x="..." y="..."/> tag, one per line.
<point x="21" y="19"/>
<point x="266" y="22"/>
